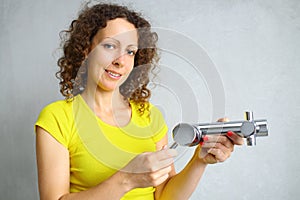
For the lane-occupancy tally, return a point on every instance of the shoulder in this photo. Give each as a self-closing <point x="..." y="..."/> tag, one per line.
<point x="56" y="112"/>
<point x="60" y="107"/>
<point x="155" y="110"/>
<point x="56" y="119"/>
<point x="156" y="116"/>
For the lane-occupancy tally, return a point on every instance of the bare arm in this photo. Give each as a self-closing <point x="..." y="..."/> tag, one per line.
<point x="54" y="174"/>
<point x="182" y="185"/>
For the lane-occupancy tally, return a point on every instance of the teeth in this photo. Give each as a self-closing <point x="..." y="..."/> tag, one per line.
<point x="113" y="74"/>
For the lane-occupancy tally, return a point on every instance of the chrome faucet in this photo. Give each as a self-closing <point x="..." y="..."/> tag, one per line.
<point x="185" y="134"/>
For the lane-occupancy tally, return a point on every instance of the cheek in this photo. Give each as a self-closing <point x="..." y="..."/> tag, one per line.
<point x="129" y="64"/>
<point x="98" y="58"/>
<point x="129" y="69"/>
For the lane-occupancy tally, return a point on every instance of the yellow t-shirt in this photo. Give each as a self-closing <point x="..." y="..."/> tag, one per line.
<point x="97" y="150"/>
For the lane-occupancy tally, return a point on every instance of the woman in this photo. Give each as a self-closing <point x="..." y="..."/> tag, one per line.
<point x="106" y="141"/>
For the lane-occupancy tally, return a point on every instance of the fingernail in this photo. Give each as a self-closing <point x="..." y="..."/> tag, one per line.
<point x="201" y="143"/>
<point x="164" y="147"/>
<point x="205" y="138"/>
<point x="229" y="133"/>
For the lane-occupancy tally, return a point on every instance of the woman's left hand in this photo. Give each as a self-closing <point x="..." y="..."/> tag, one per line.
<point x="218" y="148"/>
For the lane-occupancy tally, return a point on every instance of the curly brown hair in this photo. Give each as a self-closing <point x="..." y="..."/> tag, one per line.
<point x="77" y="40"/>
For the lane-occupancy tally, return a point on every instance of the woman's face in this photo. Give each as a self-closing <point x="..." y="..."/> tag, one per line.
<point x="111" y="58"/>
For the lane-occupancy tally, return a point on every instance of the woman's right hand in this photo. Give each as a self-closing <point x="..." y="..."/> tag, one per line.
<point x="149" y="169"/>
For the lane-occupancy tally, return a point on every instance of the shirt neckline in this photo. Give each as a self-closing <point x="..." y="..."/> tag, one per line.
<point x="87" y="107"/>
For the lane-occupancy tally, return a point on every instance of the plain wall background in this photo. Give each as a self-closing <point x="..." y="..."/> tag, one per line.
<point x="254" y="45"/>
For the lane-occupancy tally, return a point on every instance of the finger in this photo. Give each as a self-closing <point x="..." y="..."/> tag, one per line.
<point x="207" y="157"/>
<point x="210" y="159"/>
<point x="226" y="150"/>
<point x="209" y="139"/>
<point x="165" y="163"/>
<point x="160" y="159"/>
<point x="235" y="138"/>
<point x="165" y="154"/>
<point x="226" y="142"/>
<point x="160" y="180"/>
<point x="225" y="147"/>
<point x="160" y="175"/>
<point x="213" y="139"/>
<point x="219" y="154"/>
<point x="161" y="172"/>
<point x="224" y="119"/>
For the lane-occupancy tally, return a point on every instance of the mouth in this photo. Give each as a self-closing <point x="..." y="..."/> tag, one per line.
<point x="113" y="74"/>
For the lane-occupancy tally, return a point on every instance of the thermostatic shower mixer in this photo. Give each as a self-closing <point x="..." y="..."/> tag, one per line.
<point x="185" y="134"/>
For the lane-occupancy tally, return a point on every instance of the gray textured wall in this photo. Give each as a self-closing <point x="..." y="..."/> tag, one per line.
<point x="253" y="45"/>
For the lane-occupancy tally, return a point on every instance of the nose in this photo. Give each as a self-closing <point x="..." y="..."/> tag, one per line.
<point x="120" y="61"/>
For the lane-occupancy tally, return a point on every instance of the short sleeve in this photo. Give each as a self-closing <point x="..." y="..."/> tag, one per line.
<point x="53" y="119"/>
<point x="158" y="124"/>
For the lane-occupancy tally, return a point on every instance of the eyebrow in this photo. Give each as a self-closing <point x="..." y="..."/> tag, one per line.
<point x="130" y="45"/>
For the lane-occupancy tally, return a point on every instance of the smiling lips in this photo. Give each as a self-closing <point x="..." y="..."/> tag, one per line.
<point x="113" y="75"/>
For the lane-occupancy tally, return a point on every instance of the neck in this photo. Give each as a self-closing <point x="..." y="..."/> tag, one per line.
<point x="106" y="101"/>
<point x="110" y="107"/>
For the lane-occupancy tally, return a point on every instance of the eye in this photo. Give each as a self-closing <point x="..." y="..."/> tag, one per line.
<point x="131" y="52"/>
<point x="109" y="46"/>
